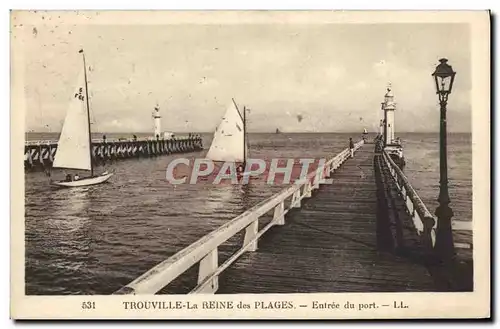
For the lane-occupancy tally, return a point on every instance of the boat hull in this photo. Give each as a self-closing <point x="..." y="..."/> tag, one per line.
<point x="88" y="181"/>
<point x="395" y="151"/>
<point x="399" y="161"/>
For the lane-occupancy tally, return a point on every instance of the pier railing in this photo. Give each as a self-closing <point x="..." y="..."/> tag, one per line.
<point x="424" y="221"/>
<point x="205" y="251"/>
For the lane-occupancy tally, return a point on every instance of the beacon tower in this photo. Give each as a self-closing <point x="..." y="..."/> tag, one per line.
<point x="389" y="108"/>
<point x="392" y="145"/>
<point x="157" y="121"/>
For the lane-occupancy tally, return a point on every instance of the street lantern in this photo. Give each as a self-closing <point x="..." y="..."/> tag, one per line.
<point x="443" y="77"/>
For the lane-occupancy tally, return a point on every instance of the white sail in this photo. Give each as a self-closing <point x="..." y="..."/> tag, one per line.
<point x="227" y="144"/>
<point x="73" y="149"/>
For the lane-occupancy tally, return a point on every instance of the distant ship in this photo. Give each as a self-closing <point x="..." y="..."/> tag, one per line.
<point x="278" y="131"/>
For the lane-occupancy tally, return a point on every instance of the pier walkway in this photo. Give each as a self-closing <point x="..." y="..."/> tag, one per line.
<point x="330" y="245"/>
<point x="353" y="225"/>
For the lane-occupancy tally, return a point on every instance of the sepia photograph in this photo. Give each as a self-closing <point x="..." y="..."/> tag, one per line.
<point x="180" y="155"/>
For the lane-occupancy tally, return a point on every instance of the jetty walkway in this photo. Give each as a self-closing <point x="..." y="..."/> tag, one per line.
<point x="365" y="230"/>
<point x="329" y="245"/>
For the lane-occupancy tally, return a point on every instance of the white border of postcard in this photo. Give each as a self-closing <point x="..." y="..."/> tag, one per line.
<point x="420" y="305"/>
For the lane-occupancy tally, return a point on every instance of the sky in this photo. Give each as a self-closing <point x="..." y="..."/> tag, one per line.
<point x="295" y="77"/>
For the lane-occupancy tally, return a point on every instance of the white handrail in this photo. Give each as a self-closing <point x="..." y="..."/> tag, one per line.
<point x="424" y="221"/>
<point x="205" y="250"/>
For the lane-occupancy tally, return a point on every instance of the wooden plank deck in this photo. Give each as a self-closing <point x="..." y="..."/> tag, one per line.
<point x="329" y="245"/>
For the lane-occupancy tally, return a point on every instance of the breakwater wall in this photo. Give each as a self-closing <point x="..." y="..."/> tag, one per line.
<point x="39" y="155"/>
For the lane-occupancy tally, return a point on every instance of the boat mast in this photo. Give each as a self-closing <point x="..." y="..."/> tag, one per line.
<point x="88" y="112"/>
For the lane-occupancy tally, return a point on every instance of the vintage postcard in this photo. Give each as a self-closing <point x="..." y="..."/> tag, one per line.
<point x="250" y="164"/>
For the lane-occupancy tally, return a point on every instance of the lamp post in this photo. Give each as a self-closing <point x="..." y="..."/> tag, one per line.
<point x="443" y="77"/>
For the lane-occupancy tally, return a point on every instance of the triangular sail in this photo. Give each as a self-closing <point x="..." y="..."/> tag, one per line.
<point x="227" y="144"/>
<point x="73" y="149"/>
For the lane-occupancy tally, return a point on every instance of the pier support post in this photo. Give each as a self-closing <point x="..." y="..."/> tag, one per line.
<point x="51" y="154"/>
<point x="250" y="234"/>
<point x="296" y="199"/>
<point x="40" y="156"/>
<point x="208" y="265"/>
<point x="29" y="157"/>
<point x="328" y="171"/>
<point x="317" y="179"/>
<point x="307" y="190"/>
<point x="279" y="216"/>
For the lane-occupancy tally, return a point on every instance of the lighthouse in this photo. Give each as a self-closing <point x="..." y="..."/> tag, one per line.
<point x="392" y="145"/>
<point x="389" y="107"/>
<point x="157" y="121"/>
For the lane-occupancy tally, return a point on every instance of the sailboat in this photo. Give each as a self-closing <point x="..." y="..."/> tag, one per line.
<point x="74" y="149"/>
<point x="365" y="133"/>
<point x="230" y="139"/>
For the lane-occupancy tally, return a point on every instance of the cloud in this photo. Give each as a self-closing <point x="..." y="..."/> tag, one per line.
<point x="116" y="123"/>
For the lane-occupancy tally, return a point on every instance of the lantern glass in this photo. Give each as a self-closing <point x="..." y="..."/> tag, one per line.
<point x="443" y="84"/>
<point x="444" y="77"/>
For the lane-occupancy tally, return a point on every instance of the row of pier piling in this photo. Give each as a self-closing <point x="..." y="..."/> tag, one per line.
<point x="40" y="155"/>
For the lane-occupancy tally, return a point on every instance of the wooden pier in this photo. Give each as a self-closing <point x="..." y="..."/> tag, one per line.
<point x="330" y="245"/>
<point x="364" y="230"/>
<point x="40" y="154"/>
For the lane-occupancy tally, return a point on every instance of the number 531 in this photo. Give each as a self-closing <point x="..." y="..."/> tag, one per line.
<point x="88" y="305"/>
